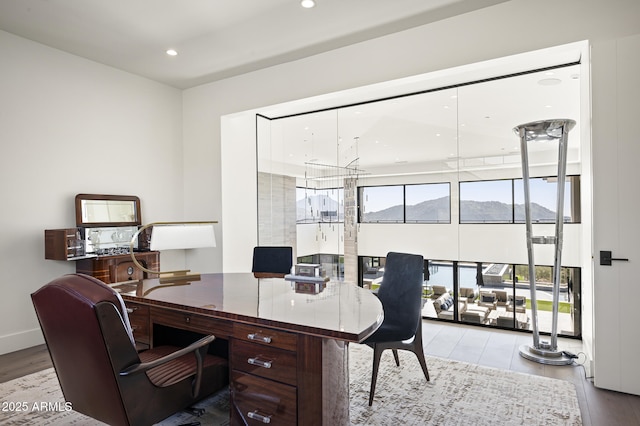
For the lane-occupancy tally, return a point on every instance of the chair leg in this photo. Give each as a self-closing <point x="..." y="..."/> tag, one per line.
<point x="395" y="356"/>
<point x="419" y="350"/>
<point x="377" y="352"/>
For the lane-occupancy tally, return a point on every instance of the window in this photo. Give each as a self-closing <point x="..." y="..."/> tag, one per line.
<point x="428" y="203"/>
<point x="502" y="201"/>
<point x="382" y="204"/>
<point x="319" y="205"/>
<point x="543" y="193"/>
<point x="486" y="201"/>
<point x="418" y="203"/>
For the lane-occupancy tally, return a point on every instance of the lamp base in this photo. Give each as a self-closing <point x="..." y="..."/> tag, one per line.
<point x="178" y="277"/>
<point x="544" y="356"/>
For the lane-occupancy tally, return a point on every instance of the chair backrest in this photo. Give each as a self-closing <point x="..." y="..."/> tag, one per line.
<point x="401" y="291"/>
<point x="501" y="296"/>
<point x="272" y="259"/>
<point x="70" y="311"/>
<point x="519" y="300"/>
<point x="505" y="322"/>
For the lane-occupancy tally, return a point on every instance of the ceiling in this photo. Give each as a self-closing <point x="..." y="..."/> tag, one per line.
<point x="467" y="128"/>
<point x="215" y="39"/>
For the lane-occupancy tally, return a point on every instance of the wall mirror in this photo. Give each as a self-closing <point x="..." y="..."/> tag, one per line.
<point x="94" y="210"/>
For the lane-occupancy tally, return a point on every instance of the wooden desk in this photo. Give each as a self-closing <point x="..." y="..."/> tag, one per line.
<point x="287" y="349"/>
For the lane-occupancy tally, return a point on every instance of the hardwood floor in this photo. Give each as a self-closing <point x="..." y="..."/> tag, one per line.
<point x="488" y="347"/>
<point x="21" y="363"/>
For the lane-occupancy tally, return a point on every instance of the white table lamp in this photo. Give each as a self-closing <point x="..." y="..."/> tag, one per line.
<point x="176" y="236"/>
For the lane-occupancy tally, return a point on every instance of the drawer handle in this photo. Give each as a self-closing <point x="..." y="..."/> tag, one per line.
<point x="259" y="362"/>
<point x="187" y="319"/>
<point x="255" y="416"/>
<point x="259" y="337"/>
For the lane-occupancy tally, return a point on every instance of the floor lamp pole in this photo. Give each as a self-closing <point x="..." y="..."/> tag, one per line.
<point x="545" y="352"/>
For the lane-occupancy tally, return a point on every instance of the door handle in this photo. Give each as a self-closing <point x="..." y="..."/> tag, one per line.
<point x="606" y="258"/>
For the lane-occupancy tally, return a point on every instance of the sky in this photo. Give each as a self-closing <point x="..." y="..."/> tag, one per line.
<point x="542" y="193"/>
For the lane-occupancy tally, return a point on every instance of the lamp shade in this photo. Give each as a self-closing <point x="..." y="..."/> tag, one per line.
<point x="185" y="235"/>
<point x="175" y="236"/>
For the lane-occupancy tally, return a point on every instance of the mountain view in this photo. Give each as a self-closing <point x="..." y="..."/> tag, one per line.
<point x="471" y="212"/>
<point x="323" y="208"/>
<point x="432" y="210"/>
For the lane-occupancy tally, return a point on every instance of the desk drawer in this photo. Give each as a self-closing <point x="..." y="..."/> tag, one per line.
<point x="139" y="320"/>
<point x="189" y="321"/>
<point x="255" y="399"/>
<point x="266" y="336"/>
<point x="264" y="361"/>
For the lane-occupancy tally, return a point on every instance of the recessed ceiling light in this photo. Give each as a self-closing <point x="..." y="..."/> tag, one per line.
<point x="172" y="52"/>
<point x="307" y="4"/>
<point x="549" y="81"/>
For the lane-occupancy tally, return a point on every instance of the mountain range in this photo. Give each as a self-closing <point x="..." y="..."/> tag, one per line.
<point x="437" y="210"/>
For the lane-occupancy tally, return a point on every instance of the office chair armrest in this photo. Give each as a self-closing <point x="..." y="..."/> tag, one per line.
<point x="194" y="347"/>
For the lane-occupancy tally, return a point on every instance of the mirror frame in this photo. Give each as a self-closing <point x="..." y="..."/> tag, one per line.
<point x="88" y="197"/>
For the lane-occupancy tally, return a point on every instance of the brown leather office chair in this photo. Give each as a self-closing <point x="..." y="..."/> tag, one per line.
<point x="86" y="328"/>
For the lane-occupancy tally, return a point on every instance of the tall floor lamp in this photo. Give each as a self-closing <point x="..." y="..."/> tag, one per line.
<point x="545" y="352"/>
<point x="175" y="236"/>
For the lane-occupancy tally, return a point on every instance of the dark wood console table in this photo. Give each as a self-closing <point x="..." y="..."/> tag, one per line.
<point x="118" y="267"/>
<point x="288" y="356"/>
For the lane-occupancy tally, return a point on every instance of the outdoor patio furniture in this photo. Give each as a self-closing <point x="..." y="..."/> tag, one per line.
<point x="468" y="293"/>
<point x="488" y="300"/>
<point x="520" y="304"/>
<point x="439" y="290"/>
<point x="501" y="297"/>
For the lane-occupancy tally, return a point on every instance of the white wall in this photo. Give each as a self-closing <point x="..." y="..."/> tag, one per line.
<point x="616" y="152"/>
<point x="69" y="126"/>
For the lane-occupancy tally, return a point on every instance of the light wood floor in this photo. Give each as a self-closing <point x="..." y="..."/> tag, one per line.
<point x="488" y="347"/>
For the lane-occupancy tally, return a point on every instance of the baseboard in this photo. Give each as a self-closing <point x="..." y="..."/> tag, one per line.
<point x="22" y="340"/>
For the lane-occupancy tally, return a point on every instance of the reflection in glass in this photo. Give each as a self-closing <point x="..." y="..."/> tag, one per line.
<point x="100" y="211"/>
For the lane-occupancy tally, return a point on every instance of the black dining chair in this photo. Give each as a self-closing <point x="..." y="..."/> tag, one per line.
<point x="272" y="260"/>
<point x="401" y="295"/>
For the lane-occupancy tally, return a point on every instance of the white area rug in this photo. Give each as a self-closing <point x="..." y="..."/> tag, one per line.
<point x="458" y="394"/>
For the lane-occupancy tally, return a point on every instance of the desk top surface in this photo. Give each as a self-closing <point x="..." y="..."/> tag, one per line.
<point x="333" y="309"/>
